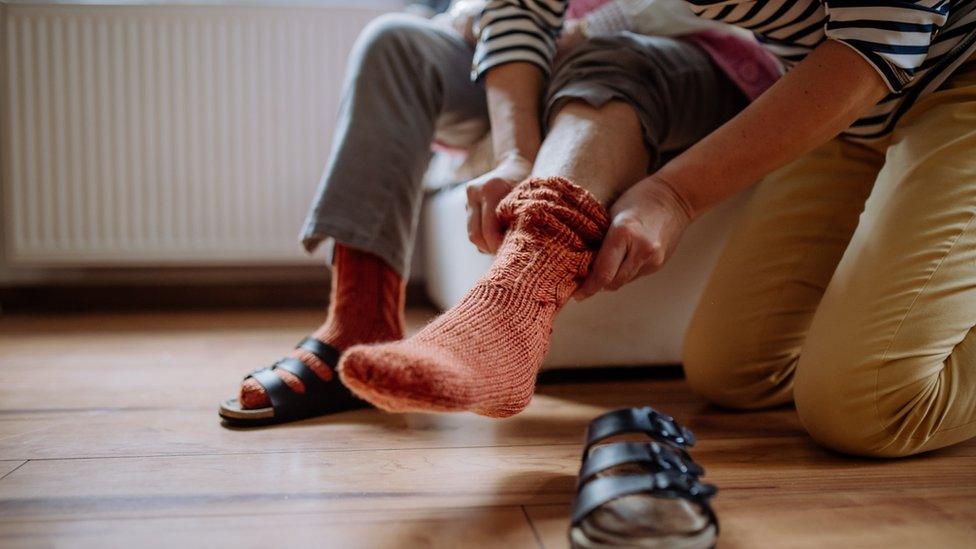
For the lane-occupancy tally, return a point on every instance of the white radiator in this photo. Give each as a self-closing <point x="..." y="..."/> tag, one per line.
<point x="167" y="135"/>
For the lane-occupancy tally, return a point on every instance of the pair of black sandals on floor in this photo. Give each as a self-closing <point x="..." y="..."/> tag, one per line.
<point x="641" y="493"/>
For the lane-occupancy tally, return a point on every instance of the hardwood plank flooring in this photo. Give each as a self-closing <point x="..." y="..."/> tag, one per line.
<point x="7" y="467"/>
<point x="860" y="519"/>
<point x="501" y="527"/>
<point x="109" y="437"/>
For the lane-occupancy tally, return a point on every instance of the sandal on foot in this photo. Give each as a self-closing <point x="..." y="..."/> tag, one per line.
<point x="320" y="397"/>
<point x="641" y="494"/>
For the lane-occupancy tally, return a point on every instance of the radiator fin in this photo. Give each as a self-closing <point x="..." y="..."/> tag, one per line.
<point x="176" y="135"/>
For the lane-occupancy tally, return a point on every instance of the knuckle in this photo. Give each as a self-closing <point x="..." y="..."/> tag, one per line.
<point x="615" y="234"/>
<point x="500" y="186"/>
<point x="649" y="249"/>
<point x="629" y="228"/>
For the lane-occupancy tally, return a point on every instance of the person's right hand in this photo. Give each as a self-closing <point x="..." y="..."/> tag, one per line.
<point x="464" y="15"/>
<point x="484" y="194"/>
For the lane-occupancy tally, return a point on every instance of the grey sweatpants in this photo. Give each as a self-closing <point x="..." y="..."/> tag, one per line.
<point x="409" y="79"/>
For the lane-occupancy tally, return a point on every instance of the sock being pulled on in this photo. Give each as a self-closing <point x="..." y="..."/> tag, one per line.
<point x="483" y="355"/>
<point x="365" y="306"/>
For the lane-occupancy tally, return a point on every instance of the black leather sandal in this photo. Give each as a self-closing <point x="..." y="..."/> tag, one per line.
<point x="646" y="420"/>
<point x="320" y="397"/>
<point x="641" y="493"/>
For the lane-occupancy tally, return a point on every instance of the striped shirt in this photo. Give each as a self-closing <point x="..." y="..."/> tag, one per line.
<point x="913" y="44"/>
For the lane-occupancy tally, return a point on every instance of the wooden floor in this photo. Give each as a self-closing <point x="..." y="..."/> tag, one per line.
<point x="109" y="438"/>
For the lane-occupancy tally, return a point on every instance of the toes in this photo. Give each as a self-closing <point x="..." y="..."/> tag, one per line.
<point x="384" y="366"/>
<point x="399" y="377"/>
<point x="252" y="395"/>
<point x="356" y="364"/>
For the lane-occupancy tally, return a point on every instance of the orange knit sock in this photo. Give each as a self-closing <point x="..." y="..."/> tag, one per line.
<point x="483" y="355"/>
<point x="366" y="306"/>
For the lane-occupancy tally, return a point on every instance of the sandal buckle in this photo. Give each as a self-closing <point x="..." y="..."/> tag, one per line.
<point x="670" y="429"/>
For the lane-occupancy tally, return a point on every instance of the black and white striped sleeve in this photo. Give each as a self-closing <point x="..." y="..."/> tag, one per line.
<point x="894" y="36"/>
<point x="518" y="30"/>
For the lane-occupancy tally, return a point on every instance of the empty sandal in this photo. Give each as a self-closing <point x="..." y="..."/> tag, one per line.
<point x="320" y="397"/>
<point x="643" y="493"/>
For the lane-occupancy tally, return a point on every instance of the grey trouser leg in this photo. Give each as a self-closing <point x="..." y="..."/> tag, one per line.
<point x="407" y="77"/>
<point x="678" y="93"/>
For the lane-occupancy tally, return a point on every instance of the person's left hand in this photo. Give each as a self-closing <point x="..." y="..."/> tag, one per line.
<point x="647" y="223"/>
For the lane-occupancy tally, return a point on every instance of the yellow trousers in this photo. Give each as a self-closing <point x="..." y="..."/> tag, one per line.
<point x="850" y="287"/>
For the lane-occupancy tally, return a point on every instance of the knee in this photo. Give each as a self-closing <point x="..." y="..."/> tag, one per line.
<point x="623" y="53"/>
<point x="723" y="366"/>
<point x="390" y="37"/>
<point x="619" y="50"/>
<point x="840" y="413"/>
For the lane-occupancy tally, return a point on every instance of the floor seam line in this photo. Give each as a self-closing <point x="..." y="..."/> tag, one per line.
<point x="535" y="533"/>
<point x="12" y="471"/>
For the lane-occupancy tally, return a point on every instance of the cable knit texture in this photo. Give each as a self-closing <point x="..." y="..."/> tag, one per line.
<point x="483" y="355"/>
<point x="365" y="306"/>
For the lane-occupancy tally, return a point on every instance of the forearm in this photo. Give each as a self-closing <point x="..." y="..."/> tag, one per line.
<point x="818" y="99"/>
<point x="514" y="92"/>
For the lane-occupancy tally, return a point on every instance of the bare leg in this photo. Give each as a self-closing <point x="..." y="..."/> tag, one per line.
<point x="599" y="149"/>
<point x="483" y="355"/>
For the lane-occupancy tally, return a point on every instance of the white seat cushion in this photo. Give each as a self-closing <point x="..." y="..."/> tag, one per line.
<point x="643" y="323"/>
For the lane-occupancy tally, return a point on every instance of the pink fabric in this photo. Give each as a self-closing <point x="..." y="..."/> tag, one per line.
<point x="579" y="8"/>
<point x="750" y="67"/>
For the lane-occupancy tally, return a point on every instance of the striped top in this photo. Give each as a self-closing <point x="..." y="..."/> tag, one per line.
<point x="913" y="44"/>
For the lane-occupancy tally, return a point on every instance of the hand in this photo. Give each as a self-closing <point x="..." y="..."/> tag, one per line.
<point x="484" y="194"/>
<point x="463" y="16"/>
<point x="647" y="223"/>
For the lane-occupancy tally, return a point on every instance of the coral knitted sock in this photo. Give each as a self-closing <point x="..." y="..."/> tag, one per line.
<point x="366" y="306"/>
<point x="483" y="355"/>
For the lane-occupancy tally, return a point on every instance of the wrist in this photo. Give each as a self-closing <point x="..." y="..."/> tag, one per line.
<point x="515" y="157"/>
<point x="668" y="191"/>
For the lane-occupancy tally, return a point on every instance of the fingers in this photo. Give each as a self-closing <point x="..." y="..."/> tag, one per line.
<point x="629" y="251"/>
<point x="643" y="258"/>
<point x="475" y="234"/>
<point x="627" y="270"/>
<point x="491" y="229"/>
<point x="484" y="229"/>
<point x="605" y="267"/>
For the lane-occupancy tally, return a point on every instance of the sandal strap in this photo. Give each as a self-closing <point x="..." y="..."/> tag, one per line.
<point x="669" y="484"/>
<point x="656" y="457"/>
<point x="289" y="404"/>
<point x="279" y="393"/>
<point x="647" y="420"/>
<point x="313" y="383"/>
<point x="322" y="351"/>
